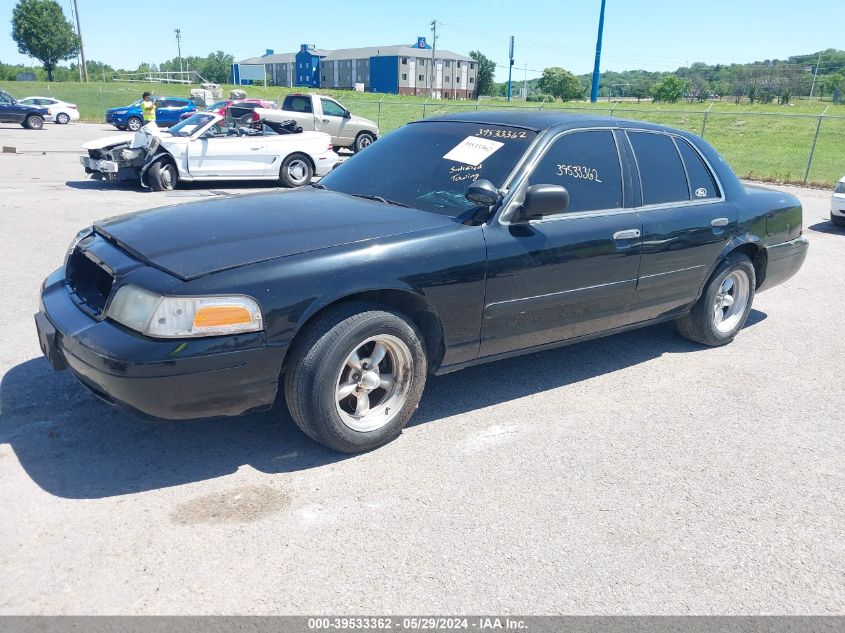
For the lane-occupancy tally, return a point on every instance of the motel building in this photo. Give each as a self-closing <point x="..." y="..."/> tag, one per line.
<point x="400" y="69"/>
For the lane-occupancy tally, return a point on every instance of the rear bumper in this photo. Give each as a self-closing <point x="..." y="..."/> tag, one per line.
<point x="783" y="261"/>
<point x="170" y="379"/>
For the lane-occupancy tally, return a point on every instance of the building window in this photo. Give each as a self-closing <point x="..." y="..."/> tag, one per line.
<point x="447" y="78"/>
<point x="404" y="77"/>
<point x="457" y="80"/>
<point x="404" y="61"/>
<point x="447" y="63"/>
<point x="324" y="77"/>
<point x="472" y="66"/>
<point x="471" y="80"/>
<point x="459" y="64"/>
<point x="421" y="77"/>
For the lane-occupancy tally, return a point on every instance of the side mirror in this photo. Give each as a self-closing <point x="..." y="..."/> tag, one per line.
<point x="543" y="200"/>
<point x="483" y="192"/>
<point x="347" y="114"/>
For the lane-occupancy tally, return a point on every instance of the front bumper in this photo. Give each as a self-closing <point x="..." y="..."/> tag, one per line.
<point x="170" y="379"/>
<point x="325" y="163"/>
<point x="837" y="205"/>
<point x="783" y="261"/>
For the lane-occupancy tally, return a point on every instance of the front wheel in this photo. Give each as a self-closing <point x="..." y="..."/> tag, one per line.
<point x="362" y="141"/>
<point x="34" y="122"/>
<point x="723" y="307"/>
<point x="62" y="118"/>
<point x="296" y="171"/>
<point x="355" y="377"/>
<point x="134" y="123"/>
<point x="163" y="176"/>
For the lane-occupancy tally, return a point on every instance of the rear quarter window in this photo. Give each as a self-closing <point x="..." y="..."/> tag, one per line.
<point x="702" y="184"/>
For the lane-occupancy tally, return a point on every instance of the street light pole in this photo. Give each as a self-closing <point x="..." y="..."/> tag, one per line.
<point x="815" y="74"/>
<point x="510" y="68"/>
<point x="81" y="47"/>
<point x="594" y="93"/>
<point x="179" y="48"/>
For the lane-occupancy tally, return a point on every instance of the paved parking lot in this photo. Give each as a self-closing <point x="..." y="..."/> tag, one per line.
<point x="634" y="474"/>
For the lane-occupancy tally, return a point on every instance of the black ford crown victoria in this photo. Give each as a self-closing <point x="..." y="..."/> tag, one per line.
<point x="451" y="241"/>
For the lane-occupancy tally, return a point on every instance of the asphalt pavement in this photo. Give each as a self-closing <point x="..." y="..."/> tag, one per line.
<point x="636" y="474"/>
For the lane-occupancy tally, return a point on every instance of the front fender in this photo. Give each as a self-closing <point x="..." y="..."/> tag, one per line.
<point x="153" y="158"/>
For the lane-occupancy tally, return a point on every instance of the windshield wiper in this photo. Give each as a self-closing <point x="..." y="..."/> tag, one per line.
<point x="395" y="203"/>
<point x="318" y="185"/>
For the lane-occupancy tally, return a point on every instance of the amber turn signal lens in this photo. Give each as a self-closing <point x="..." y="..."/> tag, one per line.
<point x="215" y="316"/>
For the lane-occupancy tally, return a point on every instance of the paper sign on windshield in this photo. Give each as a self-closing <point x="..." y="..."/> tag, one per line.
<point x="473" y="150"/>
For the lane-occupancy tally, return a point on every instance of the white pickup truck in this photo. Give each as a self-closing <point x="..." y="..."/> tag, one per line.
<point x="324" y="114"/>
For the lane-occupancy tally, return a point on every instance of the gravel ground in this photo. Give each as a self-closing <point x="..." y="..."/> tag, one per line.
<point x="634" y="474"/>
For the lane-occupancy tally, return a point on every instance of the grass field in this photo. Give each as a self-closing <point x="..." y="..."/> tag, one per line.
<point x="760" y="141"/>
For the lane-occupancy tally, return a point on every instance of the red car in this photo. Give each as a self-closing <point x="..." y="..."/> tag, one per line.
<point x="221" y="107"/>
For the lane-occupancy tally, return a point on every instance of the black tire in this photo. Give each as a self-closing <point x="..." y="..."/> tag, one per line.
<point x="363" y="141"/>
<point x="296" y="171"/>
<point x="134" y="124"/>
<point x="163" y="176"/>
<point x="34" y="122"/>
<point x="700" y="324"/>
<point x="319" y="359"/>
<point x="837" y="220"/>
<point x="62" y="118"/>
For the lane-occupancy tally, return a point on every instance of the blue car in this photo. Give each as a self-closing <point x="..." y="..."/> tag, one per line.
<point x="167" y="113"/>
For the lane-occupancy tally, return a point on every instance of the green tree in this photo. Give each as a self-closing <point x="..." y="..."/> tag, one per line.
<point x="829" y="83"/>
<point x="41" y="31"/>
<point x="670" y="89"/>
<point x="484" y="73"/>
<point x="561" y="83"/>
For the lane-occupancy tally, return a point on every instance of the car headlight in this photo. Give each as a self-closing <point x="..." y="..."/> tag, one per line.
<point x="183" y="317"/>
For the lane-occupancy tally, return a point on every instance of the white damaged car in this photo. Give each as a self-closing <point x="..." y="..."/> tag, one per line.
<point x="209" y="147"/>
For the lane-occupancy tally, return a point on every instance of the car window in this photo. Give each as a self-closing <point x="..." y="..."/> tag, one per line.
<point x="5" y="97"/>
<point x="429" y="165"/>
<point x="661" y="172"/>
<point x="587" y="164"/>
<point x="298" y="104"/>
<point x="28" y="101"/>
<point x="840" y="187"/>
<point x="701" y="181"/>
<point x="330" y="108"/>
<point x="46" y="102"/>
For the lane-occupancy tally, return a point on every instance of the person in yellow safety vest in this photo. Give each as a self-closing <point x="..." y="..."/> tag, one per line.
<point x="148" y="108"/>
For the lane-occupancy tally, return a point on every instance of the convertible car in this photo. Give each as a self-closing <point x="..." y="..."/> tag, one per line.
<point x="207" y="147"/>
<point x="452" y="241"/>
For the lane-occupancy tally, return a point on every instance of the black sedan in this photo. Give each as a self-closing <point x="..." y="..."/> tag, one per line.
<point x="31" y="117"/>
<point x="452" y="241"/>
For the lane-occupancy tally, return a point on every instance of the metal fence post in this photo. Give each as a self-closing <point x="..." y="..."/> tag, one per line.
<point x="813" y="147"/>
<point x="704" y="122"/>
<point x="613" y="107"/>
<point x="378" y="117"/>
<point x="424" y="104"/>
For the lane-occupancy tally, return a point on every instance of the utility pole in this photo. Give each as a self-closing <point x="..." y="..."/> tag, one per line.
<point x="179" y="48"/>
<point x="594" y="93"/>
<point x="815" y="74"/>
<point x="433" y="60"/>
<point x="81" y="47"/>
<point x="525" y="82"/>
<point x="510" y="68"/>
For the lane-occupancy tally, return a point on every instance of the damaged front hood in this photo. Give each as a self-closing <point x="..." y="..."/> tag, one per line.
<point x="142" y="138"/>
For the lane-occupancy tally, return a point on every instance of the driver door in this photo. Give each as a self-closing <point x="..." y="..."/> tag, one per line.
<point x="220" y="156"/>
<point x="570" y="274"/>
<point x="334" y="122"/>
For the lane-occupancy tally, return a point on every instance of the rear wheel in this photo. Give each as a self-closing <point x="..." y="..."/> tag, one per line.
<point x="163" y="176"/>
<point x="724" y="305"/>
<point x="34" y="122"/>
<point x="355" y="377"/>
<point x="838" y="220"/>
<point x="62" y="118"/>
<point x="134" y="123"/>
<point x="362" y="141"/>
<point x="296" y="171"/>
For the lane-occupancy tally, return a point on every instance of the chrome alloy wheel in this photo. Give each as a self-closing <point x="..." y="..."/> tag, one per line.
<point x="298" y="171"/>
<point x="731" y="301"/>
<point x="373" y="383"/>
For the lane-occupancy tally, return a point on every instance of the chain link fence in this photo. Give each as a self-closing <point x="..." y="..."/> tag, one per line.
<point x="787" y="148"/>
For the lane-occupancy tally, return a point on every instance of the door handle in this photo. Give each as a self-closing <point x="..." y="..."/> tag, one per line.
<point x="719" y="222"/>
<point x="256" y="147"/>
<point x="629" y="234"/>
<point x="325" y="120"/>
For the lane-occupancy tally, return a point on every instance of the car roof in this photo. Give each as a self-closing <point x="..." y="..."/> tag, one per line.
<point x="540" y="121"/>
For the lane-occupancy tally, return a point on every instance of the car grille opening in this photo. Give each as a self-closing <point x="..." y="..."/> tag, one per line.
<point x="89" y="282"/>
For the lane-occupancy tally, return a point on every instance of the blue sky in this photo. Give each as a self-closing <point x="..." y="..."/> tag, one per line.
<point x="649" y="34"/>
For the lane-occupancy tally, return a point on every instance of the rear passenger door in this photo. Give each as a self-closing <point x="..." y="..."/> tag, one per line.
<point x="686" y="221"/>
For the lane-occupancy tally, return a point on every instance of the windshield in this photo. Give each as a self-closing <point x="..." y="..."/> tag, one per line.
<point x="840" y="187"/>
<point x="191" y="124"/>
<point x="5" y="97"/>
<point x="214" y="107"/>
<point x="429" y="165"/>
